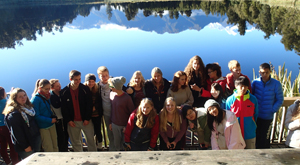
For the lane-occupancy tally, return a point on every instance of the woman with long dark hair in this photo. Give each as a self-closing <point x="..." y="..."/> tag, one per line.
<point x="180" y="91"/>
<point x="196" y="77"/>
<point x="217" y="94"/>
<point x="225" y="128"/>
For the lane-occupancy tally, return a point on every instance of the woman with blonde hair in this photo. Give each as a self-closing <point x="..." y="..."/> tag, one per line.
<point x="172" y="126"/>
<point x="292" y="123"/>
<point x="196" y="77"/>
<point x="90" y="81"/>
<point x="19" y="117"/>
<point x="136" y="89"/>
<point x="44" y="116"/>
<point x="142" y="128"/>
<point x="180" y="91"/>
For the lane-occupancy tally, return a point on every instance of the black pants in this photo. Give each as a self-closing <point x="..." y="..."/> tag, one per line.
<point x="62" y="135"/>
<point x="97" y="127"/>
<point x="263" y="133"/>
<point x="163" y="145"/>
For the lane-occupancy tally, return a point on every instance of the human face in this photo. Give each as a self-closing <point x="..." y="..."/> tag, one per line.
<point x="76" y="81"/>
<point x="241" y="89"/>
<point x="146" y="109"/>
<point x="56" y="87"/>
<point x="21" y="98"/>
<point x="46" y="88"/>
<point x="91" y="83"/>
<point x="265" y="74"/>
<point x="104" y="76"/>
<point x="236" y="71"/>
<point x="182" y="80"/>
<point x="191" y="114"/>
<point x="213" y="110"/>
<point x="196" y="65"/>
<point x="157" y="77"/>
<point x="170" y="106"/>
<point x="137" y="79"/>
<point x="212" y="74"/>
<point x="215" y="93"/>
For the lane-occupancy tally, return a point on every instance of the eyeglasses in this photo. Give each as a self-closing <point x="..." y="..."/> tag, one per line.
<point x="210" y="72"/>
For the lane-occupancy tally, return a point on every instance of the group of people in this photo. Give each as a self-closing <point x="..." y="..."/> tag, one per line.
<point x="226" y="112"/>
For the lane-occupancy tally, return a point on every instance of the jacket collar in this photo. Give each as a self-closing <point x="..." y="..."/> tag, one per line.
<point x="245" y="97"/>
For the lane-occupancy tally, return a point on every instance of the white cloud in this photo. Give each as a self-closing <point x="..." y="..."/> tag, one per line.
<point x="115" y="26"/>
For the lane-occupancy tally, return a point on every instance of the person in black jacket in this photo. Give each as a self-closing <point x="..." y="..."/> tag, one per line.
<point x="19" y="118"/>
<point x="157" y="88"/>
<point x="77" y="111"/>
<point x="90" y="81"/>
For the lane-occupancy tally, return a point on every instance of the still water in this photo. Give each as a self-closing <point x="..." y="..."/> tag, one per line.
<point x="49" y="40"/>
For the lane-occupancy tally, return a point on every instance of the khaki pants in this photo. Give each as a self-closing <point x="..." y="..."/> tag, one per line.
<point x="49" y="139"/>
<point x="75" y="136"/>
<point x="250" y="143"/>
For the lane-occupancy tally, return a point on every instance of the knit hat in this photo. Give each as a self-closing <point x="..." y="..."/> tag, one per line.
<point x="156" y="70"/>
<point x="118" y="82"/>
<point x="211" y="102"/>
<point x="90" y="77"/>
<point x="185" y="109"/>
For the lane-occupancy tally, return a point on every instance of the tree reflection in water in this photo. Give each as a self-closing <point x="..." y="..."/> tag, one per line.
<point x="25" y="22"/>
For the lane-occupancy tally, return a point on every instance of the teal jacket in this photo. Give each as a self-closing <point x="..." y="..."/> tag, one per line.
<point x="43" y="111"/>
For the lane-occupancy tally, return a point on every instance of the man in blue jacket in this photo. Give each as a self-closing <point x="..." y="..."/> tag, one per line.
<point x="268" y="92"/>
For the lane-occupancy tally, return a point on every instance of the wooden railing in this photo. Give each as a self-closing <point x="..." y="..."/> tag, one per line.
<point x="279" y="118"/>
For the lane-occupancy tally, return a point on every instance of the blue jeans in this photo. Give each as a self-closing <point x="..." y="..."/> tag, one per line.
<point x="36" y="147"/>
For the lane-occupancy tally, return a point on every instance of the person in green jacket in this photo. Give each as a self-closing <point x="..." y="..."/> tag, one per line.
<point x="197" y="122"/>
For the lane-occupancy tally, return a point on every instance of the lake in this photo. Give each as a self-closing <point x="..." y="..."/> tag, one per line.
<point x="47" y="39"/>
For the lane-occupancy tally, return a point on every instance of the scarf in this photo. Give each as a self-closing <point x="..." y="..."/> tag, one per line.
<point x="29" y="112"/>
<point x="45" y="95"/>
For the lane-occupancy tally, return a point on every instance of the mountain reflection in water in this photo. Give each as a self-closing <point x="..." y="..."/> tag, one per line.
<point x="114" y="34"/>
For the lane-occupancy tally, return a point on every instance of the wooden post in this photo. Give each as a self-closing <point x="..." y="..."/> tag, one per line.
<point x="282" y="124"/>
<point x="273" y="130"/>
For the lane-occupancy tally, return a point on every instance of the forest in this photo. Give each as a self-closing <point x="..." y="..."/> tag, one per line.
<point x="18" y="23"/>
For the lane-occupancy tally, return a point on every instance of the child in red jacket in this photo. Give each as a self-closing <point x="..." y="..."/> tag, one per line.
<point x="142" y="128"/>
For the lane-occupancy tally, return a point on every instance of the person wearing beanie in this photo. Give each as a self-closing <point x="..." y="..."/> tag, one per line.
<point x="157" y="88"/>
<point x="225" y="128"/>
<point x="121" y="108"/>
<point x="90" y="81"/>
<point x="197" y="122"/>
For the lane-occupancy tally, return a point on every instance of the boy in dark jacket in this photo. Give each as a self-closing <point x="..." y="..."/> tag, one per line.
<point x="77" y="111"/>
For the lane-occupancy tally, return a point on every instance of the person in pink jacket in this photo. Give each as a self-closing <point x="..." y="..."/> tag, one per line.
<point x="225" y="128"/>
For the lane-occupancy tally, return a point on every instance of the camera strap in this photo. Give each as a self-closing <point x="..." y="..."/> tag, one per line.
<point x="44" y="100"/>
